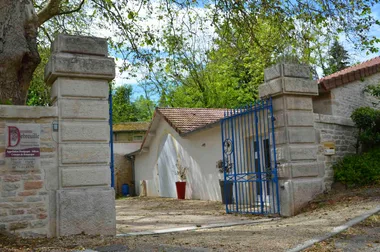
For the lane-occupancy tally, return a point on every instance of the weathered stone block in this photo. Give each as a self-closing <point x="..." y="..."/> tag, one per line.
<point x="96" y="216"/>
<point x="299" y="118"/>
<point x="83" y="109"/>
<point x="33" y="199"/>
<point x="27" y="112"/>
<point x="85" y="131"/>
<point x="8" y="194"/>
<point x="278" y="103"/>
<point x="279" y="119"/>
<point x="32" y="185"/>
<point x="38" y="224"/>
<point x="287" y="70"/>
<point x="3" y="212"/>
<point x="74" y="87"/>
<point x="86" y="176"/>
<point x="301" y="135"/>
<point x="61" y="65"/>
<point x="272" y="72"/>
<point x="286" y="198"/>
<point x="296" y="70"/>
<point x="284" y="170"/>
<point x="85" y="153"/>
<point x="305" y="170"/>
<point x="299" y="103"/>
<point x="300" y="86"/>
<point x="282" y="153"/>
<point x="11" y="178"/>
<point x="270" y="88"/>
<point x="305" y="190"/>
<point x="280" y="136"/>
<point x="17" y="211"/>
<point x="11" y="186"/>
<point x="18" y="225"/>
<point x="302" y="152"/>
<point x="64" y="43"/>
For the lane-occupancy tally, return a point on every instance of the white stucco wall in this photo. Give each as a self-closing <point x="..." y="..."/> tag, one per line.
<point x="125" y="148"/>
<point x="199" y="152"/>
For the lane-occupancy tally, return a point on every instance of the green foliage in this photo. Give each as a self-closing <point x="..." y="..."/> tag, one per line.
<point x="145" y="108"/>
<point x="7" y="102"/>
<point x="368" y="121"/>
<point x="126" y="110"/>
<point x="212" y="53"/>
<point x="233" y="70"/>
<point x="39" y="92"/>
<point x="123" y="110"/>
<point x="374" y="90"/>
<point x="359" y="169"/>
<point x="204" y="53"/>
<point x="338" y="58"/>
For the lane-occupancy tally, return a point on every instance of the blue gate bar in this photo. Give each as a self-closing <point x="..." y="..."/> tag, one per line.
<point x="111" y="141"/>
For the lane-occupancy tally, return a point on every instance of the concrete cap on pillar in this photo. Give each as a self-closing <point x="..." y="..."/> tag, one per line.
<point x="64" y="43"/>
<point x="287" y="70"/>
<point x="80" y="57"/>
<point x="288" y="79"/>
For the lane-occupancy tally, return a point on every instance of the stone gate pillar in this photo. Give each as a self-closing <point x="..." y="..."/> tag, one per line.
<point x="300" y="176"/>
<point x="78" y="71"/>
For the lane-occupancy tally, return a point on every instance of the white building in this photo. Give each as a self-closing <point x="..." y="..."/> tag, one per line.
<point x="191" y="137"/>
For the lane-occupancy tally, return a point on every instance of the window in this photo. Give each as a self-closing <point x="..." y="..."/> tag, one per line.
<point x="137" y="138"/>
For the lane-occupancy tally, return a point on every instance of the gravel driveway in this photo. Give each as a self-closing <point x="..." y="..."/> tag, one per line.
<point x="320" y="217"/>
<point x="147" y="213"/>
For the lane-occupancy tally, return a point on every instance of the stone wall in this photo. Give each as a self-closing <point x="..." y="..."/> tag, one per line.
<point x="346" y="98"/>
<point x="67" y="190"/>
<point x="123" y="174"/>
<point x="300" y="173"/>
<point x="343" y="100"/>
<point x="27" y="205"/>
<point x="342" y="132"/>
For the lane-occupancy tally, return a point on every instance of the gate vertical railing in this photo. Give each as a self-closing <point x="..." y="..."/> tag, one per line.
<point x="112" y="168"/>
<point x="249" y="160"/>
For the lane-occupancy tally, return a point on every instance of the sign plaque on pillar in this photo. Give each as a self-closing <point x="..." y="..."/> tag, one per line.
<point x="22" y="146"/>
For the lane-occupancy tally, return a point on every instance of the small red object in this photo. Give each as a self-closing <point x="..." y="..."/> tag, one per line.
<point x="181" y="189"/>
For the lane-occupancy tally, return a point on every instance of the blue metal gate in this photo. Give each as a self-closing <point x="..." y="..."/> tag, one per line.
<point x="249" y="160"/>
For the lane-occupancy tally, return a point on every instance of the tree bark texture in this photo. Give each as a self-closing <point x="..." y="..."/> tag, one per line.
<point x="18" y="49"/>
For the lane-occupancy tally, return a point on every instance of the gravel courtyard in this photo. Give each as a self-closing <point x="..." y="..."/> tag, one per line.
<point x="320" y="217"/>
<point x="144" y="213"/>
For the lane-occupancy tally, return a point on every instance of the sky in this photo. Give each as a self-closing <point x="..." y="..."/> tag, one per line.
<point x="355" y="56"/>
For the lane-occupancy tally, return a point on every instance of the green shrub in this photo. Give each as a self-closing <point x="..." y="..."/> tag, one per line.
<point x="373" y="90"/>
<point x="368" y="121"/>
<point x="359" y="169"/>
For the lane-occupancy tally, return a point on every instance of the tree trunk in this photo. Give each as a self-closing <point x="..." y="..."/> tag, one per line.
<point x="18" y="49"/>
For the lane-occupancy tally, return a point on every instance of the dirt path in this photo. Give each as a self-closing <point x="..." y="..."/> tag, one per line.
<point x="321" y="217"/>
<point x="364" y="236"/>
<point x="142" y="214"/>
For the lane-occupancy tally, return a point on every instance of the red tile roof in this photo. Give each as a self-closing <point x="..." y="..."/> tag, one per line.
<point x="185" y="120"/>
<point x="350" y="74"/>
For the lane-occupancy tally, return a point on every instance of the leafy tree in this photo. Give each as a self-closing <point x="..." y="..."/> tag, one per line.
<point x="145" y="108"/>
<point x="338" y="58"/>
<point x="39" y="92"/>
<point x="123" y="110"/>
<point x="161" y="47"/>
<point x="234" y="68"/>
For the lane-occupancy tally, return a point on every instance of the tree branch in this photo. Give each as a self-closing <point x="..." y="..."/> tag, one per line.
<point x="73" y="10"/>
<point x="52" y="9"/>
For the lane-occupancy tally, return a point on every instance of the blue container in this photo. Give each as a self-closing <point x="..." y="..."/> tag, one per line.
<point x="125" y="189"/>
